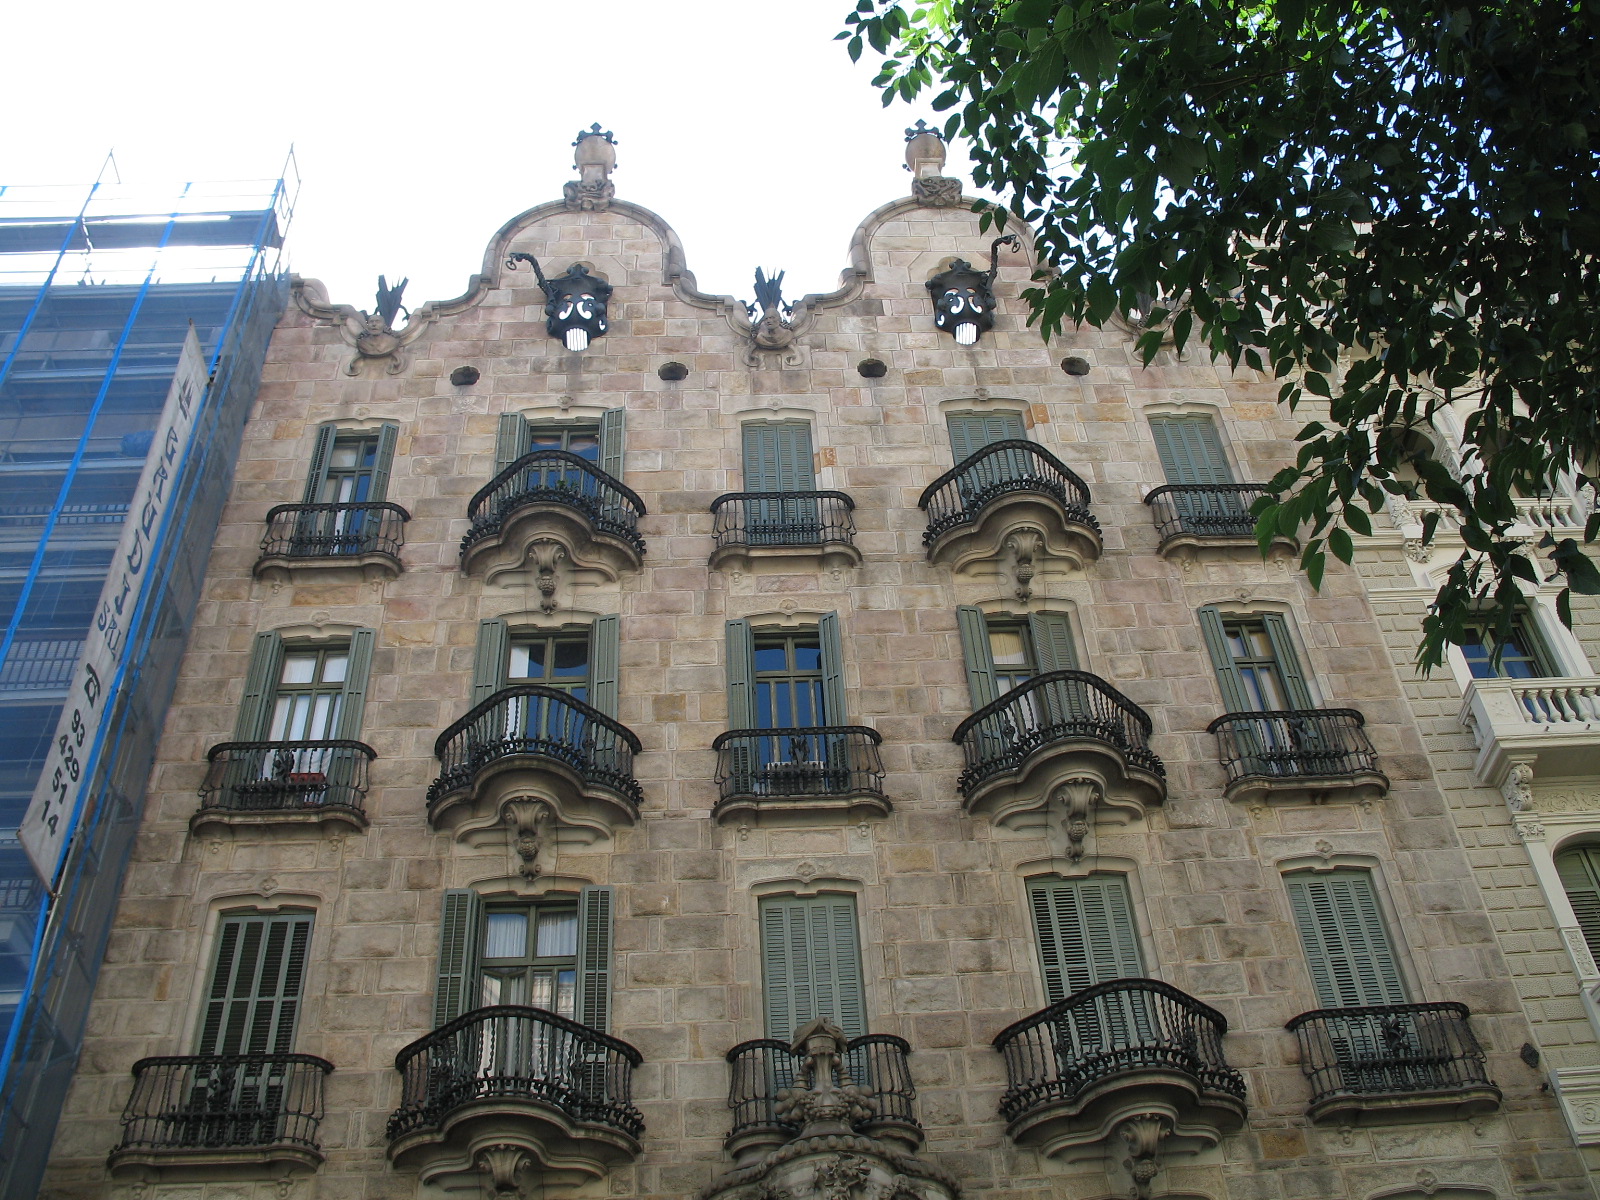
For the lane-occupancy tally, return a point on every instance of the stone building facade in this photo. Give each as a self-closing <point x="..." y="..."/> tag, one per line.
<point x="505" y="608"/>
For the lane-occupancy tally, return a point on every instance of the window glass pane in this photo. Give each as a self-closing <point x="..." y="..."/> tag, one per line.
<point x="566" y="997"/>
<point x="539" y="989"/>
<point x="558" y="934"/>
<point x="333" y="668"/>
<point x="549" y="439"/>
<point x="506" y="935"/>
<point x="585" y="445"/>
<point x="572" y="658"/>
<point x="770" y="658"/>
<point x="1008" y="647"/>
<point x="299" y="668"/>
<point x="519" y="666"/>
<point x="283" y="716"/>
<point x="807" y="656"/>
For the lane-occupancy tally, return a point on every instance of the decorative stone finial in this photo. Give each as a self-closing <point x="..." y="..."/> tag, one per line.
<point x="594" y="160"/>
<point x="824" y="1100"/>
<point x="925" y="156"/>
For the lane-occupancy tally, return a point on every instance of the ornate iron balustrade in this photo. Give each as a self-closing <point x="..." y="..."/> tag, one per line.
<point x="1313" y="743"/>
<point x="556" y="477"/>
<point x="286" y="776"/>
<point x="760" y="1070"/>
<point x="783" y="519"/>
<point x="334" y="530"/>
<point x="1114" y="1028"/>
<point x="825" y="760"/>
<point x="513" y="1052"/>
<point x="1216" y="510"/>
<point x="1389" y="1050"/>
<point x="959" y="495"/>
<point x="224" y="1101"/>
<point x="40" y="665"/>
<point x="529" y="719"/>
<point x="1048" y="708"/>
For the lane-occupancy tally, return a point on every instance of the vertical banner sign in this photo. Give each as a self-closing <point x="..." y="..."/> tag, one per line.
<point x="58" y="797"/>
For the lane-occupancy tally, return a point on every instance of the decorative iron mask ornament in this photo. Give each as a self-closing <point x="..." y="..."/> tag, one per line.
<point x="963" y="296"/>
<point x="575" y="305"/>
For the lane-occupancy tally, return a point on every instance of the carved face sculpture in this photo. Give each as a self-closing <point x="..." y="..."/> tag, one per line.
<point x="576" y="310"/>
<point x="963" y="303"/>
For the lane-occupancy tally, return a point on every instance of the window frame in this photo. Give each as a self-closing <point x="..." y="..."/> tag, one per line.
<point x="849" y="1012"/>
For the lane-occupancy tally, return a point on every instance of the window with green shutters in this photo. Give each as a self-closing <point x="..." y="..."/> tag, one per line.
<point x="598" y="442"/>
<point x="1579" y="870"/>
<point x="581" y="662"/>
<point x="350" y="466"/>
<point x="783" y="678"/>
<point x="257" y="977"/>
<point x="1347" y="946"/>
<point x="300" y="692"/>
<point x="777" y="457"/>
<point x="552" y="953"/>
<point x="1085" y="933"/>
<point x="971" y="432"/>
<point x="1255" y="660"/>
<point x="811" y="963"/>
<point x="1003" y="652"/>
<point x="1191" y="450"/>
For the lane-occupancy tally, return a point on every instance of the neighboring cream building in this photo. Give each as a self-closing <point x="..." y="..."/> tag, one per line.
<point x="689" y="740"/>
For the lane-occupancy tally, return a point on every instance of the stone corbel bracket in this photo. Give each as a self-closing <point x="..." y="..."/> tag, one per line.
<point x="532" y="830"/>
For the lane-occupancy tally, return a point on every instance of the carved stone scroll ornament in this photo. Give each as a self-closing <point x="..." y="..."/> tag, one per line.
<point x="838" y="1178"/>
<point x="925" y="156"/>
<point x="528" y="827"/>
<point x="1024" y="546"/>
<point x="1071" y="806"/>
<point x="502" y="1164"/>
<point x="546" y="556"/>
<point x="1143" y="1135"/>
<point x="1518" y="787"/>
<point x="374" y="336"/>
<point x="774" y="325"/>
<point x="594" y="158"/>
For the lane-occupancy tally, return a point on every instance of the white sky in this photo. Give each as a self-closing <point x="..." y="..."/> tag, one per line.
<point x="420" y="129"/>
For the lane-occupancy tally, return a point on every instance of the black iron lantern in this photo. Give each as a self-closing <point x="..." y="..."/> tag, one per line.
<point x="963" y="296"/>
<point x="575" y="308"/>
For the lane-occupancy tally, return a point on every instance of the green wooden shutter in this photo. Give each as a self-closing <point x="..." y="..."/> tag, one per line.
<point x="511" y="442"/>
<point x="605" y="651"/>
<point x="811" y="963"/>
<point x="256" y="981"/>
<point x="455" y="988"/>
<point x="1347" y="947"/>
<point x="971" y="432"/>
<point x="612" y="425"/>
<point x="833" y="697"/>
<point x="321" y="452"/>
<point x="1580" y="878"/>
<point x="357" y="671"/>
<point x="489" y="662"/>
<point x="1234" y="697"/>
<point x="1053" y="644"/>
<point x="1294" y="678"/>
<point x="260" y="682"/>
<point x="594" y="957"/>
<point x="979" y="659"/>
<point x="741" y="668"/>
<point x="777" y="458"/>
<point x="1191" y="450"/>
<point x="383" y="463"/>
<point x="1086" y="933"/>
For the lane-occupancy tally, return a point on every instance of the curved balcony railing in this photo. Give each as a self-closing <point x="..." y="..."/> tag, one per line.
<point x="512" y="1052"/>
<point x="556" y="477"/>
<point x="1214" y="510"/>
<point x="1114" y="1028"/>
<point x="1313" y="743"/>
<point x="224" y="1101"/>
<point x="1055" y="707"/>
<point x="529" y="719"/>
<point x="761" y="1069"/>
<point x="783" y="519"/>
<point x="1389" y="1050"/>
<point x="959" y="495"/>
<point x="827" y="760"/>
<point x="286" y="776"/>
<point x="334" y="530"/>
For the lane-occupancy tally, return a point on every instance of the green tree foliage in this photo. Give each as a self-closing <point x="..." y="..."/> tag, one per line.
<point x="1389" y="207"/>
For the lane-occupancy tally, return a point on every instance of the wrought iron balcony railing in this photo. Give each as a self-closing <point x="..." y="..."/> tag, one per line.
<point x="286" y="776"/>
<point x="1313" y="743"/>
<point x="763" y="1068"/>
<point x="826" y="760"/>
<point x="1115" y="1028"/>
<point x="1055" y="707"/>
<point x="1217" y="510"/>
<point x="529" y="719"/>
<point x="755" y="519"/>
<point x="1389" y="1051"/>
<point x="556" y="477"/>
<point x="190" y="1103"/>
<point x="511" y="1052"/>
<point x="331" y="531"/>
<point x="959" y="495"/>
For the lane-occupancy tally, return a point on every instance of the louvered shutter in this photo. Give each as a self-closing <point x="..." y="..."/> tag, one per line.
<point x="1191" y="450"/>
<point x="971" y="432"/>
<point x="1234" y="697"/>
<point x="605" y="651"/>
<point x="489" y="660"/>
<point x="1289" y="669"/>
<point x="383" y="463"/>
<point x="1086" y="933"/>
<point x="511" y="441"/>
<point x="260" y="682"/>
<point x="321" y="453"/>
<point x="595" y="941"/>
<point x="1347" y="948"/>
<point x="811" y="964"/>
<point x="460" y="930"/>
<point x="1580" y="878"/>
<point x="777" y="458"/>
<point x="977" y="655"/>
<point x="1053" y="644"/>
<point x="256" y="982"/>
<point x="612" y="425"/>
<point x="357" y="673"/>
<point x="833" y="695"/>
<point x="741" y="668"/>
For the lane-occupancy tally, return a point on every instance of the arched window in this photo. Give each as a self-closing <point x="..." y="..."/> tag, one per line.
<point x="1579" y="870"/>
